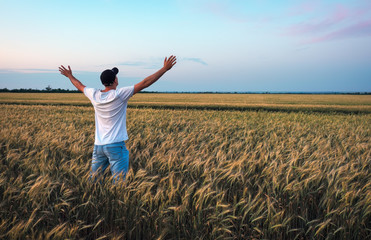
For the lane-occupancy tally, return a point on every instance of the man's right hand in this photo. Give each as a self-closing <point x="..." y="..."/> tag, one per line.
<point x="66" y="72"/>
<point x="148" y="81"/>
<point x="169" y="63"/>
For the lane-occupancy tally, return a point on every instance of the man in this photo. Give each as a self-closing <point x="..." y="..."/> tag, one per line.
<point x="110" y="117"/>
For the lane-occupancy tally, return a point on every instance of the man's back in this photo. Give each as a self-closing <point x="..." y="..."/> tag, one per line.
<point x="110" y="114"/>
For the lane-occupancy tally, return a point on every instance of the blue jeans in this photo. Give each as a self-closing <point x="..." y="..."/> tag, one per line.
<point x="114" y="154"/>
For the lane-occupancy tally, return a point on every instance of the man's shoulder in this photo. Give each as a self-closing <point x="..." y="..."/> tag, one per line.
<point x="123" y="89"/>
<point x="126" y="92"/>
<point x="90" y="89"/>
<point x="89" y="92"/>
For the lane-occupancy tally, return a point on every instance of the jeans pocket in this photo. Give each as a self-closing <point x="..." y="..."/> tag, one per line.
<point x="115" y="153"/>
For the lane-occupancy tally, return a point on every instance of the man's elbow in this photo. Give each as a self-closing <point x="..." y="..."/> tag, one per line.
<point x="142" y="85"/>
<point x="80" y="88"/>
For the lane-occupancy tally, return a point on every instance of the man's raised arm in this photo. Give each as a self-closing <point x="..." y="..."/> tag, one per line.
<point x="148" y="81"/>
<point x="68" y="73"/>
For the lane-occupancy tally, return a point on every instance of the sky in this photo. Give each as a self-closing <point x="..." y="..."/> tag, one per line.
<point x="221" y="45"/>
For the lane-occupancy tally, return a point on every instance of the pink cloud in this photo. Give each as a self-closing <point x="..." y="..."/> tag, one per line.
<point x="361" y="29"/>
<point x="336" y="17"/>
<point x="340" y="22"/>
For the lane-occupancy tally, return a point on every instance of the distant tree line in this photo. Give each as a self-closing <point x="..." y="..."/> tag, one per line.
<point x="48" y="89"/>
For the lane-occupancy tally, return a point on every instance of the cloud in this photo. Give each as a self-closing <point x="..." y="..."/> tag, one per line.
<point x="131" y="63"/>
<point x="335" y="18"/>
<point x="196" y="60"/>
<point x="29" y="70"/>
<point x="143" y="64"/>
<point x="157" y="62"/>
<point x="361" y="29"/>
<point x="335" y="22"/>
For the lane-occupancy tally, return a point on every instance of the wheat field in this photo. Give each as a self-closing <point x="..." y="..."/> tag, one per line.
<point x="194" y="174"/>
<point x="270" y="102"/>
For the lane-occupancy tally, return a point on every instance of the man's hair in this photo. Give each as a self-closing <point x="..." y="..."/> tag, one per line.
<point x="108" y="76"/>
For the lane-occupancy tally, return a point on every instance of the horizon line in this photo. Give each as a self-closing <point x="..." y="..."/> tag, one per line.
<point x="59" y="90"/>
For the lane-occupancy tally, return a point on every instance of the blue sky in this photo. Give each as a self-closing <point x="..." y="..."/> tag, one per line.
<point x="221" y="45"/>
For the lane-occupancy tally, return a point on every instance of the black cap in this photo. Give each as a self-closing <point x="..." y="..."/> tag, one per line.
<point x="108" y="76"/>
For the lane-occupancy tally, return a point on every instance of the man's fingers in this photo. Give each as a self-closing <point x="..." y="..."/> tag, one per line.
<point x="170" y="62"/>
<point x="173" y="59"/>
<point x="62" y="68"/>
<point x="64" y="71"/>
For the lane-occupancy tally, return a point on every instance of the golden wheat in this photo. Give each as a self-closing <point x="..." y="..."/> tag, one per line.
<point x="273" y="102"/>
<point x="194" y="175"/>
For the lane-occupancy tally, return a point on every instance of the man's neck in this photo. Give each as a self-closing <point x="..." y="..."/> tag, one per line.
<point x="108" y="88"/>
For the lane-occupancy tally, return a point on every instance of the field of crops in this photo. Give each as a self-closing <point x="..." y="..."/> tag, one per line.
<point x="270" y="102"/>
<point x="194" y="174"/>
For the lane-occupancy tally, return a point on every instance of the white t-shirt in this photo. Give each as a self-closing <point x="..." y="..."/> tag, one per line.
<point x="110" y="113"/>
